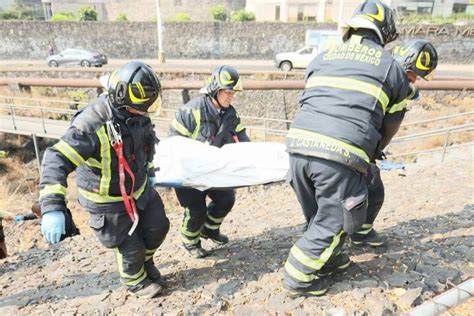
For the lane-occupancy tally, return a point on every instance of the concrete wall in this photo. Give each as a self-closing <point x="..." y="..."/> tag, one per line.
<point x="29" y="40"/>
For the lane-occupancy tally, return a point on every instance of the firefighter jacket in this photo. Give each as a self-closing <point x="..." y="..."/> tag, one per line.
<point x="199" y="119"/>
<point x="86" y="148"/>
<point x="355" y="95"/>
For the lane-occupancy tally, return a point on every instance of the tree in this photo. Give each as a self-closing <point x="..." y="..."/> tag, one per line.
<point x="121" y="17"/>
<point x="182" y="17"/>
<point x="242" y="16"/>
<point x="87" y="13"/>
<point x="219" y="13"/>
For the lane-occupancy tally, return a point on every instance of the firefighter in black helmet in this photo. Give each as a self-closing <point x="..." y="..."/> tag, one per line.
<point x="352" y="105"/>
<point x="419" y="58"/>
<point x="111" y="144"/>
<point x="209" y="118"/>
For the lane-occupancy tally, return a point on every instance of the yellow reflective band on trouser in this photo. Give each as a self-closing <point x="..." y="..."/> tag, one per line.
<point x="190" y="238"/>
<point x="398" y="107"/>
<point x="365" y="229"/>
<point x="350" y="84"/>
<point x="180" y="128"/>
<point x="69" y="152"/>
<point x="151" y="165"/>
<point x="197" y="119"/>
<point x="317" y="264"/>
<point x="298" y="275"/>
<point x="215" y="219"/>
<point x="106" y="161"/>
<point x="53" y="189"/>
<point x="239" y="128"/>
<point x="97" y="198"/>
<point x="149" y="253"/>
<point x="313" y="136"/>
<point x="212" y="227"/>
<point x="134" y="279"/>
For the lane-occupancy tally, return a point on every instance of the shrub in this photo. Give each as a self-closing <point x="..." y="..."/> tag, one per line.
<point x="63" y="16"/>
<point x="219" y="13"/>
<point x="87" y="13"/>
<point x="182" y="17"/>
<point x="121" y="17"/>
<point x="242" y="16"/>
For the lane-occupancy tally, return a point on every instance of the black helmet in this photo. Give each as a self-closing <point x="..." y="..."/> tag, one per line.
<point x="134" y="85"/>
<point x="223" y="78"/>
<point x="419" y="56"/>
<point x="376" y="16"/>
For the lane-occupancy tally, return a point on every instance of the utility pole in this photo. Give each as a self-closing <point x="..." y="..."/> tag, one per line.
<point x="340" y="22"/>
<point x="159" y="26"/>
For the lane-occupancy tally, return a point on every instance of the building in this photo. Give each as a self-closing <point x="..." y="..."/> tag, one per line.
<point x="143" y="10"/>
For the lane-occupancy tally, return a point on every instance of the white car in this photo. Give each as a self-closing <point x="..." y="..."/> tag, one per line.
<point x="299" y="59"/>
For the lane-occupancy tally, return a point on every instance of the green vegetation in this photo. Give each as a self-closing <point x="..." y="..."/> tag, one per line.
<point x="63" y="16"/>
<point x="122" y="17"/>
<point x="87" y="13"/>
<point x="417" y="18"/>
<point x="182" y="17"/>
<point x="219" y="13"/>
<point x="242" y="16"/>
<point x="18" y="11"/>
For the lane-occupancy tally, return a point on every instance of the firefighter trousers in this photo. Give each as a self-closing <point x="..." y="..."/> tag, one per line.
<point x="111" y="228"/>
<point x="198" y="215"/>
<point x="334" y="200"/>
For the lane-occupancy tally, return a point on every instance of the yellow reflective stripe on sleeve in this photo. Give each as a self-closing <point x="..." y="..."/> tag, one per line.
<point x="398" y="107"/>
<point x="316" y="264"/>
<point x="91" y="162"/>
<point x="215" y="219"/>
<point x="296" y="133"/>
<point x="298" y="275"/>
<point x="350" y="84"/>
<point x="97" y="198"/>
<point x="106" y="161"/>
<point x="197" y="119"/>
<point x="53" y="189"/>
<point x="69" y="152"/>
<point x="239" y="128"/>
<point x="180" y="128"/>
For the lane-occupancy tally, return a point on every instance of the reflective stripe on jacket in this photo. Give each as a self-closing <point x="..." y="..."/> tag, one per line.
<point x="351" y="91"/>
<point x="85" y="147"/>
<point x="199" y="119"/>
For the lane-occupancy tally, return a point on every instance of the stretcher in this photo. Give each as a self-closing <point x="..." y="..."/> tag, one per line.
<point x="184" y="162"/>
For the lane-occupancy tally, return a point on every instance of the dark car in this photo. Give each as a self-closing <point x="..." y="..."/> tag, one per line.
<point x="77" y="57"/>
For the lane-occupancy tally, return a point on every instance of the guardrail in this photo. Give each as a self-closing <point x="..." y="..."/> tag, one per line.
<point x="197" y="84"/>
<point x="263" y="125"/>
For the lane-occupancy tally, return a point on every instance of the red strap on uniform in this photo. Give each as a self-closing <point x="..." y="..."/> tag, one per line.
<point x="123" y="165"/>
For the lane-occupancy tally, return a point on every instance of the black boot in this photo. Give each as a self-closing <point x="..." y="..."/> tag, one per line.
<point x="153" y="273"/>
<point x="372" y="239"/>
<point x="214" y="235"/>
<point x="318" y="287"/>
<point x="196" y="251"/>
<point x="336" y="264"/>
<point x="145" y="289"/>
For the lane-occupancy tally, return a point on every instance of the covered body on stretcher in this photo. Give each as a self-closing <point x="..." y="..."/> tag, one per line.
<point x="183" y="162"/>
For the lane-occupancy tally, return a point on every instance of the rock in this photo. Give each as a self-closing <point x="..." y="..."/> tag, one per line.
<point x="380" y="306"/>
<point x="335" y="312"/>
<point x="398" y="279"/>
<point x="410" y="298"/>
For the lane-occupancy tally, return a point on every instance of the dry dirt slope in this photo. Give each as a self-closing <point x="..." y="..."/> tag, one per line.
<point x="428" y="216"/>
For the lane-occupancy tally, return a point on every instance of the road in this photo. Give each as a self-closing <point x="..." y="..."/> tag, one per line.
<point x="448" y="70"/>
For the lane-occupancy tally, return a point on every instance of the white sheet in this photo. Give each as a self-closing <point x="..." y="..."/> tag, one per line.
<point x="189" y="163"/>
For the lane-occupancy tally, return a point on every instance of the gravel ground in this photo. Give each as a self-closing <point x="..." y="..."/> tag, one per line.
<point x="427" y="216"/>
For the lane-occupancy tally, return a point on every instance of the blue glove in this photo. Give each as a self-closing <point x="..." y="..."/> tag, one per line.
<point x="153" y="181"/>
<point x="19" y="218"/>
<point x="53" y="225"/>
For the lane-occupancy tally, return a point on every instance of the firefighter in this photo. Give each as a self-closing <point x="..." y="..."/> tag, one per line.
<point x="209" y="118"/>
<point x="419" y="58"/>
<point x="351" y="107"/>
<point x="3" y="246"/>
<point x="111" y="144"/>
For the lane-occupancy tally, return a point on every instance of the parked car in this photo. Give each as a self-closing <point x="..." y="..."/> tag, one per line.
<point x="77" y="57"/>
<point x="316" y="41"/>
<point x="299" y="59"/>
